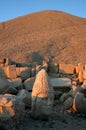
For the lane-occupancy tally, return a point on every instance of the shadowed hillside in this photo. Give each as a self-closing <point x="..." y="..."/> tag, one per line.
<point x="44" y="35"/>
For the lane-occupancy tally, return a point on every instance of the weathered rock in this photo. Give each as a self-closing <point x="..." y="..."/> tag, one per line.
<point x="4" y="85"/>
<point x="25" y="96"/>
<point x="23" y="72"/>
<point x="11" y="109"/>
<point x="42" y="96"/>
<point x="28" y="84"/>
<point x="53" y="68"/>
<point x="67" y="68"/>
<point x="10" y="71"/>
<point x="79" y="68"/>
<point x="63" y="84"/>
<point x="16" y="83"/>
<point x="68" y="103"/>
<point x="79" y="103"/>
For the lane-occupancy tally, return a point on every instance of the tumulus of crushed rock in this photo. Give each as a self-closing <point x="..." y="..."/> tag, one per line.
<point x="50" y="35"/>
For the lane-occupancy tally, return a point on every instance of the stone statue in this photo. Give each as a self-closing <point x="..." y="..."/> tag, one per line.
<point x="42" y="96"/>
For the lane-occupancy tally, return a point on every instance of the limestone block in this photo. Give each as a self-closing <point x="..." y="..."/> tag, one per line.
<point x="25" y="96"/>
<point x="61" y="83"/>
<point x="67" y="68"/>
<point x="10" y="71"/>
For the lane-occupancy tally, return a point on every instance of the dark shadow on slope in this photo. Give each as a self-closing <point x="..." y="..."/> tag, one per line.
<point x="35" y="57"/>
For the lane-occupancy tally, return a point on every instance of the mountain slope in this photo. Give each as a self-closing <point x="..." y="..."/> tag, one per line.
<point x="48" y="34"/>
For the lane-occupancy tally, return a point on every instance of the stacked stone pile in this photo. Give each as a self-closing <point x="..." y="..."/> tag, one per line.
<point x="20" y="81"/>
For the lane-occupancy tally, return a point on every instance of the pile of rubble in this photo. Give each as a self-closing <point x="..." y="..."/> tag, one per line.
<point x="34" y="87"/>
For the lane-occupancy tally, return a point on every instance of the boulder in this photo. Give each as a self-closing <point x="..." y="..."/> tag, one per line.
<point x="63" y="84"/>
<point x="67" y="68"/>
<point x="42" y="96"/>
<point x="25" y="96"/>
<point x="28" y="84"/>
<point x="12" y="110"/>
<point x="4" y="85"/>
<point x="16" y="83"/>
<point x="79" y="103"/>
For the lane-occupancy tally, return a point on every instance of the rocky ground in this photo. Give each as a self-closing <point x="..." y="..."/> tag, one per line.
<point x="59" y="120"/>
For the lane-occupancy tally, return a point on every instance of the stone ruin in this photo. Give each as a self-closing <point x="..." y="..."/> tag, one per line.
<point x="30" y="85"/>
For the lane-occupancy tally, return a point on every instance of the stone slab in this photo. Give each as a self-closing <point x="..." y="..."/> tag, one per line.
<point x="63" y="84"/>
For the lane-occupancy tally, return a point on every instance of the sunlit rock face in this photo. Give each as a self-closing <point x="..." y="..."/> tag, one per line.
<point x="42" y="96"/>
